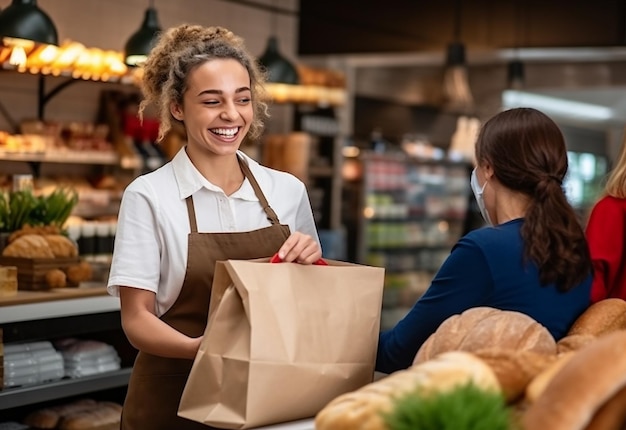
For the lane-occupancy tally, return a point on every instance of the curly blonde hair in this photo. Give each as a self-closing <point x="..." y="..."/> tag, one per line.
<point x="181" y="49"/>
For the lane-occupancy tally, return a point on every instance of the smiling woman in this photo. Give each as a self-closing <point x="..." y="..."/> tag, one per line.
<point x="210" y="202"/>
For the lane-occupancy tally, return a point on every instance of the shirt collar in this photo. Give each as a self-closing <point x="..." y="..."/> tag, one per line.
<point x="190" y="180"/>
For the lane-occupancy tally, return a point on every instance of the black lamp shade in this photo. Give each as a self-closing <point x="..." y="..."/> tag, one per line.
<point x="278" y="68"/>
<point x="142" y="41"/>
<point x="515" y="72"/>
<point x="24" y="20"/>
<point x="456" y="54"/>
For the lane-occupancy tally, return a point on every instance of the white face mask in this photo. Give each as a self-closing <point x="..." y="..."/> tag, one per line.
<point x="478" y="194"/>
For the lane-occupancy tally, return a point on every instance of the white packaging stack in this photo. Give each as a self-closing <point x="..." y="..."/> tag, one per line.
<point x="31" y="363"/>
<point x="87" y="357"/>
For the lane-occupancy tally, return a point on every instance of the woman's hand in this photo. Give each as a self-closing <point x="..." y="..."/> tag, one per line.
<point x="301" y="248"/>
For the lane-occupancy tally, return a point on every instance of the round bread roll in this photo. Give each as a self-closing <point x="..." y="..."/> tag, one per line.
<point x="362" y="409"/>
<point x="587" y="381"/>
<point x="602" y="317"/>
<point x="485" y="327"/>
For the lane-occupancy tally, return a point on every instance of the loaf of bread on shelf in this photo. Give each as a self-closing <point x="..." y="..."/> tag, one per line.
<point x="28" y="246"/>
<point x="29" y="229"/>
<point x="362" y="408"/>
<point x="61" y="246"/>
<point x="591" y="378"/>
<point x="515" y="369"/>
<point x="601" y="318"/>
<point x="484" y="327"/>
<point x="49" y="418"/>
<point x="102" y="414"/>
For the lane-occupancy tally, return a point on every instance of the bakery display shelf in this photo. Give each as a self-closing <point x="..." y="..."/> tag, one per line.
<point x="28" y="395"/>
<point x="59" y="302"/>
<point x="66" y="157"/>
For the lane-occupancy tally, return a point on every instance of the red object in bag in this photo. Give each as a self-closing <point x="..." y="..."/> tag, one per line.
<point x="277" y="259"/>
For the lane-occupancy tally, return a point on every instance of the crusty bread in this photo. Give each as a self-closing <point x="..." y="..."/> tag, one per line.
<point x="49" y="418"/>
<point x="540" y="381"/>
<point x="573" y="342"/>
<point x="102" y="414"/>
<point x="612" y="415"/>
<point x="484" y="327"/>
<point x="602" y="317"/>
<point x="592" y="376"/>
<point x="361" y="409"/>
<point x="61" y="246"/>
<point x="28" y="246"/>
<point x="514" y="369"/>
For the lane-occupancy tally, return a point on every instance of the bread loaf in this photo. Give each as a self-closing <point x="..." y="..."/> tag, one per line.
<point x="588" y="380"/>
<point x="361" y="409"/>
<point x="573" y="342"/>
<point x="28" y="246"/>
<point x="602" y="317"/>
<point x="49" y="418"/>
<point x="61" y="246"/>
<point x="102" y="414"/>
<point x="612" y="415"/>
<point x="540" y="381"/>
<point x="514" y="369"/>
<point x="484" y="327"/>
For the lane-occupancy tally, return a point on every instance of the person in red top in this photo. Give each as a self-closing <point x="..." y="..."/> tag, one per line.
<point x="606" y="235"/>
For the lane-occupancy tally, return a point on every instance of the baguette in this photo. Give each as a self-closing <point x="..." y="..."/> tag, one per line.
<point x="591" y="377"/>
<point x="603" y="317"/>
<point x="363" y="409"/>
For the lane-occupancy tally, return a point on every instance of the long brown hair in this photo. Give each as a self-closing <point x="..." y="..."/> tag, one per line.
<point x="527" y="152"/>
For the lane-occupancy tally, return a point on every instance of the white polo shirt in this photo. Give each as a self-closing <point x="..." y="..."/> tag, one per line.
<point x="151" y="240"/>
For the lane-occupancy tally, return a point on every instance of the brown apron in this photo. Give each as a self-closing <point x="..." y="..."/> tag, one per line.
<point x="156" y="384"/>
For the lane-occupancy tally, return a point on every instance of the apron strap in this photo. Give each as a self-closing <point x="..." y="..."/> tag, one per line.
<point x="191" y="211"/>
<point x="271" y="215"/>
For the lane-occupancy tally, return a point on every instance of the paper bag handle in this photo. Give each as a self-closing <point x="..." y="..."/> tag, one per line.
<point x="276" y="259"/>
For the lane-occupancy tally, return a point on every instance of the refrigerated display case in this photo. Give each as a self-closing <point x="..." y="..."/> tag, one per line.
<point x="413" y="212"/>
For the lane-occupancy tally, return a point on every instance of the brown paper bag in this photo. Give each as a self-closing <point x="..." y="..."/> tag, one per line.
<point x="282" y="340"/>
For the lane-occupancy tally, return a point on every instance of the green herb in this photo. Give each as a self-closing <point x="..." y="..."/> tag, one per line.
<point x="465" y="407"/>
<point x="18" y="208"/>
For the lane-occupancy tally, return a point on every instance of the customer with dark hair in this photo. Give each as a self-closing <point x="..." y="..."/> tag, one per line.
<point x="606" y="232"/>
<point x="533" y="256"/>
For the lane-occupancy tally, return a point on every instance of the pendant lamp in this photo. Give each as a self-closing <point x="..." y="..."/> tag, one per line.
<point x="278" y="68"/>
<point x="24" y="21"/>
<point x="455" y="79"/>
<point x="515" y="74"/>
<point x="142" y="41"/>
<point x="515" y="67"/>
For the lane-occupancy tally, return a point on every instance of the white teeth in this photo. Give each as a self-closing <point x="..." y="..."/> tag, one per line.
<point x="228" y="132"/>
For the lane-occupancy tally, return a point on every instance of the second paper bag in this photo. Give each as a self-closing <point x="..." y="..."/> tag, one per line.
<point x="282" y="340"/>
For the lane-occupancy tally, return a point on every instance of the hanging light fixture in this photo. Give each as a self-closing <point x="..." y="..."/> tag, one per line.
<point x="455" y="79"/>
<point x="142" y="41"/>
<point x="23" y="22"/>
<point x="279" y="69"/>
<point x="515" y="67"/>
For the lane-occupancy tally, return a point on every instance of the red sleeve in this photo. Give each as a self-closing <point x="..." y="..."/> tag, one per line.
<point x="605" y="235"/>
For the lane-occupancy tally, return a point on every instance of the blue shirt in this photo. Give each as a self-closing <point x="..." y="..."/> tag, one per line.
<point x="485" y="268"/>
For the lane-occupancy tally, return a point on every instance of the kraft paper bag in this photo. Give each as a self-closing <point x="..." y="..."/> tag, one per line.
<point x="282" y="340"/>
